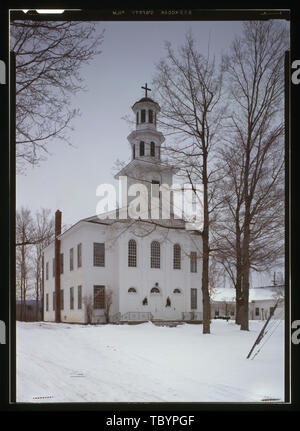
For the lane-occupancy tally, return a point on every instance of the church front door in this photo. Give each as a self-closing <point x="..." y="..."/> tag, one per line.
<point x="158" y="308"/>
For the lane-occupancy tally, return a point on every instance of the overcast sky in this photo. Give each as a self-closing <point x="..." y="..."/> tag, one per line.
<point x="68" y="179"/>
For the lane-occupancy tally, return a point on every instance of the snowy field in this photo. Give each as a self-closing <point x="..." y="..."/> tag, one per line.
<point x="147" y="363"/>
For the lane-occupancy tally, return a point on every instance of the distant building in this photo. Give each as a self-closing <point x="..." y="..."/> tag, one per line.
<point x="261" y="302"/>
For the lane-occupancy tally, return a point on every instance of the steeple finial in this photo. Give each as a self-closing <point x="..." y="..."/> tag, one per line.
<point x="146" y="89"/>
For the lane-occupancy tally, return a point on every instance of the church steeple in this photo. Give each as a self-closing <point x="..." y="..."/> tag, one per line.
<point x="145" y="140"/>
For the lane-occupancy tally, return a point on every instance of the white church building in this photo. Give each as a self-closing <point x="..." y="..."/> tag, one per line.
<point x="130" y="269"/>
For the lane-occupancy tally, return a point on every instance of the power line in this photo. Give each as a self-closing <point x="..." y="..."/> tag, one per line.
<point x="275" y="326"/>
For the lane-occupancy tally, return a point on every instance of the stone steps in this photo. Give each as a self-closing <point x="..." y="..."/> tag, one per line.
<point x="169" y="323"/>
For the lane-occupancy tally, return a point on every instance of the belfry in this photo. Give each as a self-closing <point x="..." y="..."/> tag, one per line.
<point x="146" y="166"/>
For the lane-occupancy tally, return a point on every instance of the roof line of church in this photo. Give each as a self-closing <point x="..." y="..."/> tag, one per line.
<point x="107" y="222"/>
<point x="162" y="165"/>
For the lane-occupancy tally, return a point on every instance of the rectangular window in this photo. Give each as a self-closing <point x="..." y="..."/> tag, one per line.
<point x="99" y="297"/>
<point x="53" y="267"/>
<point x="133" y="152"/>
<point x="193" y="298"/>
<point x="71" y="298"/>
<point x="193" y="261"/>
<point x="143" y="116"/>
<point x="176" y="256"/>
<point x="155" y="190"/>
<point x="256" y="311"/>
<point x="54" y="296"/>
<point x="271" y="311"/>
<point x="61" y="299"/>
<point x="79" y="255"/>
<point x="99" y="254"/>
<point x="137" y="118"/>
<point x="150" y="112"/>
<point x="61" y="263"/>
<point x="152" y="149"/>
<point x="47" y="270"/>
<point x="79" y="297"/>
<point x="71" y="259"/>
<point x="142" y="148"/>
<point x="47" y="301"/>
<point x="132" y="253"/>
<point x="155" y="254"/>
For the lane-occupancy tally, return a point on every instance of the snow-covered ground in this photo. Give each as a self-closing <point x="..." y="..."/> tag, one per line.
<point x="147" y="363"/>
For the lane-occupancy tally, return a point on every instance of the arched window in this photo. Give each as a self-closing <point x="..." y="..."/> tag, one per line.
<point x="132" y="290"/>
<point x="176" y="290"/>
<point x="133" y="151"/>
<point x="155" y="290"/>
<point x="143" y="116"/>
<point x="150" y="114"/>
<point x="132" y="253"/>
<point x="176" y="256"/>
<point x="137" y="117"/>
<point x="142" y="148"/>
<point x="152" y="149"/>
<point x="155" y="254"/>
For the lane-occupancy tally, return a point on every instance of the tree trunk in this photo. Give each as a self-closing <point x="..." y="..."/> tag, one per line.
<point x="37" y="301"/>
<point x="205" y="252"/>
<point x="22" y="279"/>
<point x="246" y="238"/>
<point x="238" y="295"/>
<point x="245" y="270"/>
<point x="245" y="304"/>
<point x="24" y="302"/>
<point x="21" y="303"/>
<point x="238" y="286"/>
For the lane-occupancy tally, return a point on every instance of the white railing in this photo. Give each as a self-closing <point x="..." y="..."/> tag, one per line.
<point x="145" y="316"/>
<point x="115" y="318"/>
<point x="136" y="316"/>
<point x="191" y="315"/>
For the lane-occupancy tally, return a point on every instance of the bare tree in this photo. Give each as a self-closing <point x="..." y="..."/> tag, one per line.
<point x="44" y="233"/>
<point x="88" y="303"/>
<point x="32" y="236"/>
<point x="253" y="155"/>
<point x="189" y="88"/>
<point x="216" y="276"/>
<point x="108" y="302"/>
<point x="49" y="56"/>
<point x="24" y="231"/>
